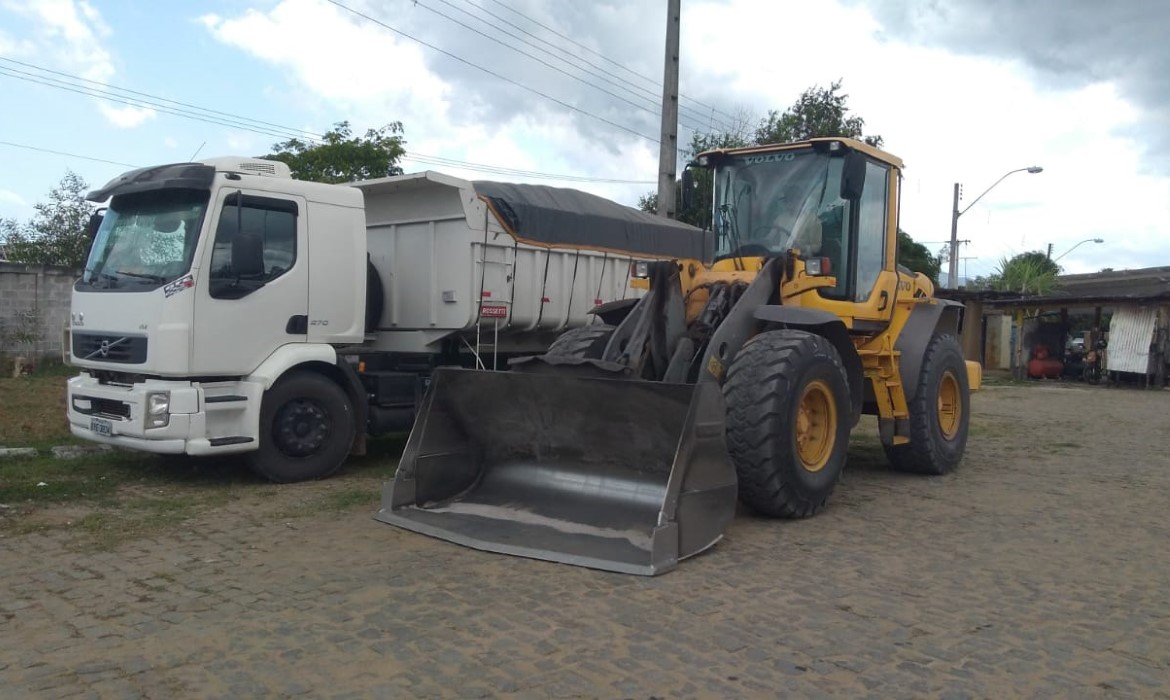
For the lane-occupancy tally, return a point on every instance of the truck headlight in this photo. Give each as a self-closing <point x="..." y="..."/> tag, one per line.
<point x="158" y="406"/>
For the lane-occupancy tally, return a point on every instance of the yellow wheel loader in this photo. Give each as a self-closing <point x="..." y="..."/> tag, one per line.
<point x="626" y="446"/>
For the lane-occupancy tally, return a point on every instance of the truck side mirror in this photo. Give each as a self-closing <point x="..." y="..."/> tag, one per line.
<point x="852" y="175"/>
<point x="95" y="222"/>
<point x="91" y="229"/>
<point x="688" y="189"/>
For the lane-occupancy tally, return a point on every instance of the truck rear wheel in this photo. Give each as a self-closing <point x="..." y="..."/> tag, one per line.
<point x="939" y="413"/>
<point x="586" y="342"/>
<point x="306" y="429"/>
<point x="787" y="422"/>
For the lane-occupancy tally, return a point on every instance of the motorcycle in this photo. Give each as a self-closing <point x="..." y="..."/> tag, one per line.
<point x="1094" y="362"/>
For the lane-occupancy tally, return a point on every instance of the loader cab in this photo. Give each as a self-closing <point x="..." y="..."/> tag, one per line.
<point x="831" y="200"/>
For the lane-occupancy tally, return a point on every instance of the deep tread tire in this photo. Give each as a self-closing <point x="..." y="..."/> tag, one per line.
<point x="929" y="451"/>
<point x="763" y="391"/>
<point x="586" y="342"/>
<point x="325" y="407"/>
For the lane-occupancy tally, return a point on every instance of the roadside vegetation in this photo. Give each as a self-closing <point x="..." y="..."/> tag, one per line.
<point x="102" y="499"/>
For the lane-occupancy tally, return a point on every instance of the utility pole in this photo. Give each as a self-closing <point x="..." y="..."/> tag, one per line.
<point x="953" y="269"/>
<point x="668" y="141"/>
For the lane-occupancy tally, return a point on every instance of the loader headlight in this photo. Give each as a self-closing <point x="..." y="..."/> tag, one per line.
<point x="158" y="406"/>
<point x="640" y="269"/>
<point x="818" y="266"/>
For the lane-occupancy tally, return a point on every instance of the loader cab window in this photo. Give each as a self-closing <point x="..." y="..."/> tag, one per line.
<point x="766" y="204"/>
<point x="255" y="243"/>
<point x="871" y="229"/>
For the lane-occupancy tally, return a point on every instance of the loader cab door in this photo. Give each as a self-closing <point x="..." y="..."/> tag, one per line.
<point x="856" y="239"/>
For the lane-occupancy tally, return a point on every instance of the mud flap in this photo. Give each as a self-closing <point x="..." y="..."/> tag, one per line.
<point x="615" y="474"/>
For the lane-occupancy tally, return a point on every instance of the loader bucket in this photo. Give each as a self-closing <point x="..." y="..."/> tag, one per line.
<point x="613" y="474"/>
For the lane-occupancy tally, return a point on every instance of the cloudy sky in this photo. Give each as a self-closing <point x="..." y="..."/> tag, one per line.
<point x="963" y="90"/>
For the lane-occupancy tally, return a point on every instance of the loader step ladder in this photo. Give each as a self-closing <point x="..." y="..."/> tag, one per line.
<point x="881" y="369"/>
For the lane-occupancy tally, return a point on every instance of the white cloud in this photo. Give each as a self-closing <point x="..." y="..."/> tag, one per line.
<point x="959" y="119"/>
<point x="170" y="142"/>
<point x="343" y="65"/>
<point x="69" y="34"/>
<point x="10" y="198"/>
<point x="951" y="118"/>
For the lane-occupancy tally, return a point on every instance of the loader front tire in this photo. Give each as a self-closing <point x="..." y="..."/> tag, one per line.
<point x="585" y="342"/>
<point x="939" y="413"/>
<point x="306" y="429"/>
<point x="788" y="406"/>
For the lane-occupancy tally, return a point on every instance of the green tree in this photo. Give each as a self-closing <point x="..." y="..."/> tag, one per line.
<point x="700" y="212"/>
<point x="818" y="112"/>
<point x="340" y="157"/>
<point x="917" y="257"/>
<point x="57" y="233"/>
<point x="1028" y="274"/>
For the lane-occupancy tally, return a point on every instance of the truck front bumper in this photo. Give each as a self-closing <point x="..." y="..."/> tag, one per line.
<point x="165" y="417"/>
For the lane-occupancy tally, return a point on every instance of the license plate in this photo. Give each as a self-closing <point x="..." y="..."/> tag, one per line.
<point x="101" y="426"/>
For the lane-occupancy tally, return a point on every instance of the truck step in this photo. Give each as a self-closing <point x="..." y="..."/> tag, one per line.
<point x="222" y="441"/>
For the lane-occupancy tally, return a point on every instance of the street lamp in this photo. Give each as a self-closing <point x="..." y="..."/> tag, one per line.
<point x="1087" y="240"/>
<point x="953" y="271"/>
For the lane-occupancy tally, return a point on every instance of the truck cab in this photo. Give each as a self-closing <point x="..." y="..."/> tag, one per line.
<point x="221" y="246"/>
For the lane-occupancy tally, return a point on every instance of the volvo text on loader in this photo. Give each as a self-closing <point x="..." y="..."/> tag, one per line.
<point x="739" y="376"/>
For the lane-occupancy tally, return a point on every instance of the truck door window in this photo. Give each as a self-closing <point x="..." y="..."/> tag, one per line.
<point x="871" y="230"/>
<point x="255" y="243"/>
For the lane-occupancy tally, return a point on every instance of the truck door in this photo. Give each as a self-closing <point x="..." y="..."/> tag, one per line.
<point x="253" y="282"/>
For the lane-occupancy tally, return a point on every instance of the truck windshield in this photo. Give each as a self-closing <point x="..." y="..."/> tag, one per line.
<point x="767" y="203"/>
<point x="146" y="240"/>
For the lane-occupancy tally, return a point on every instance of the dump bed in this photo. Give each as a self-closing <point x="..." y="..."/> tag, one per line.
<point x="510" y="264"/>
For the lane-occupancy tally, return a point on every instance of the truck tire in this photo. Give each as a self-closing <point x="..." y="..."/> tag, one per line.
<point x="586" y="342"/>
<point x="939" y="413"/>
<point x="788" y="422"/>
<point x="306" y="429"/>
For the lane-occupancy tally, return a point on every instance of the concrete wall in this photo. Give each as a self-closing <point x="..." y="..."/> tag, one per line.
<point x="34" y="298"/>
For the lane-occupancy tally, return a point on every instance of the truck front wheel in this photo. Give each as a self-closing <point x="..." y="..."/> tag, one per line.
<point x="306" y="429"/>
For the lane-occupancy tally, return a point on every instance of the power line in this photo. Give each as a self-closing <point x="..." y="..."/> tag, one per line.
<point x="64" y="153"/>
<point x="156" y="97"/>
<point x="610" y="60"/>
<point x="420" y="158"/>
<point x="625" y="85"/>
<point x="492" y="73"/>
<point x="479" y="167"/>
<point x="112" y="97"/>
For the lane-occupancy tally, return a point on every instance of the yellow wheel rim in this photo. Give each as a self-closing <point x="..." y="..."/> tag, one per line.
<point x="950" y="408"/>
<point x="816" y="426"/>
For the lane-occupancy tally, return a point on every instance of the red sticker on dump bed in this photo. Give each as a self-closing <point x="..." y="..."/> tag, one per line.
<point x="493" y="311"/>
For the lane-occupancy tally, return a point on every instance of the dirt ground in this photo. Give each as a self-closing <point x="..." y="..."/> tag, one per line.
<point x="1041" y="568"/>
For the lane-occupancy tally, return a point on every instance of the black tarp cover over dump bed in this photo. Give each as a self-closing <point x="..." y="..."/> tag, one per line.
<point x="557" y="216"/>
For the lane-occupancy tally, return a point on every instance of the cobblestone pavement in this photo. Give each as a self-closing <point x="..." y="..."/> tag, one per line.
<point x="1039" y="569"/>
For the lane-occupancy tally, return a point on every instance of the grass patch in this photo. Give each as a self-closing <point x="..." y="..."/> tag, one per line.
<point x="90" y="477"/>
<point x="32" y="410"/>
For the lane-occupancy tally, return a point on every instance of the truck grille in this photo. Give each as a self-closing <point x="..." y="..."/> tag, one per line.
<point x="126" y="349"/>
<point x="102" y="407"/>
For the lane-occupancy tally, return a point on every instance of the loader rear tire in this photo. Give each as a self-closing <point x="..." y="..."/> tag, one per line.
<point x="788" y="418"/>
<point x="306" y="429"/>
<point x="585" y="342"/>
<point x="939" y="413"/>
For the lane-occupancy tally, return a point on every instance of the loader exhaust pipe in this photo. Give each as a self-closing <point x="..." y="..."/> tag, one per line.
<point x="612" y="474"/>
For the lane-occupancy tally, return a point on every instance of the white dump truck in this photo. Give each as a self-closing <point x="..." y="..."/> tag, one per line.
<point x="227" y="307"/>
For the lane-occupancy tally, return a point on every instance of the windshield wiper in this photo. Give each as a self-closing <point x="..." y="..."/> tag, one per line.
<point x="153" y="278"/>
